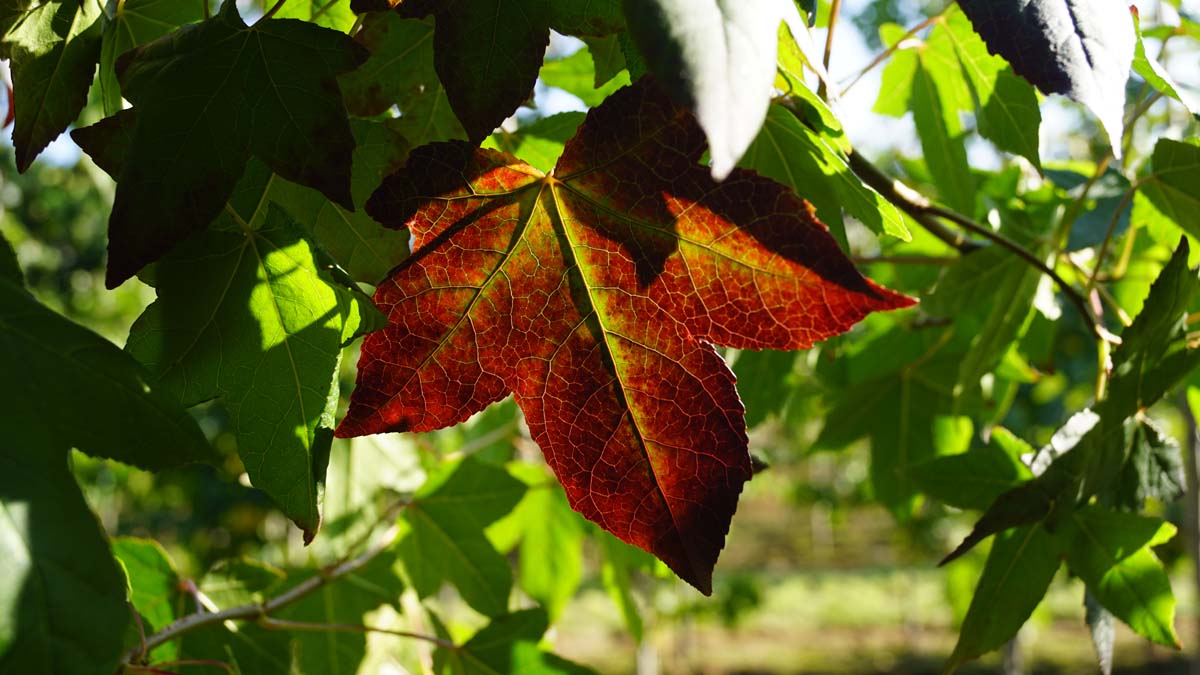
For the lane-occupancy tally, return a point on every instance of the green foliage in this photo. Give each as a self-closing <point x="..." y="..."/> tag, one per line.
<point x="250" y="153"/>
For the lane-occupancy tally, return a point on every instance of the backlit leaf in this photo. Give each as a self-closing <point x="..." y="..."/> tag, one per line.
<point x="1079" y="48"/>
<point x="255" y="316"/>
<point x="590" y="294"/>
<point x="154" y="587"/>
<point x="53" y="47"/>
<point x="576" y="75"/>
<point x="1153" y="72"/>
<point x="207" y="99"/>
<point x="506" y="646"/>
<point x="1110" y="551"/>
<point x="1170" y="190"/>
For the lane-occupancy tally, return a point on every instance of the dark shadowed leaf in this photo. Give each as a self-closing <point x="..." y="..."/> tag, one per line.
<point x="62" y="596"/>
<point x="400" y="73"/>
<point x="974" y="479"/>
<point x="207" y="98"/>
<point x="587" y="294"/>
<point x="1079" y="48"/>
<point x="130" y="23"/>
<point x="487" y="52"/>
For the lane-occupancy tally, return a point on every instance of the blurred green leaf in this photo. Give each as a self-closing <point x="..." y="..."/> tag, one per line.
<point x="506" y="646"/>
<point x="538" y="144"/>
<point x="1017" y="573"/>
<point x="970" y="480"/>
<point x="576" y="74"/>
<point x="1170" y="188"/>
<point x="1110" y="552"/>
<point x="446" y="542"/>
<point x="941" y="135"/>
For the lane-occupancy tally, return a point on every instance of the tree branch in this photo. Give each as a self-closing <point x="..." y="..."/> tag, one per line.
<point x="270" y="12"/>
<point x="834" y="9"/>
<point x="926" y="213"/>
<point x="259" y="611"/>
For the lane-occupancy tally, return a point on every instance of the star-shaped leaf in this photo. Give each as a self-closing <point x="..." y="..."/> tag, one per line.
<point x="208" y="97"/>
<point x="488" y="52"/>
<point x="251" y="312"/>
<point x="594" y="294"/>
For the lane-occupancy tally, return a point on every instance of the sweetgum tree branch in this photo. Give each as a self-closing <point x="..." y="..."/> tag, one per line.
<point x="927" y="214"/>
<point x="261" y="611"/>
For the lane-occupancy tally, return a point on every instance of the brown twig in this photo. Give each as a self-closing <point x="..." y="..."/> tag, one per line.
<point x="834" y="9"/>
<point x="885" y="54"/>
<point x="271" y="12"/>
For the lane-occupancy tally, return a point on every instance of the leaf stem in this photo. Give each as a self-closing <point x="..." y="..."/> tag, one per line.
<point x="324" y="8"/>
<point x="885" y="54"/>
<point x="834" y="9"/>
<point x="258" y="611"/>
<point x="284" y="624"/>
<point x="1112" y="227"/>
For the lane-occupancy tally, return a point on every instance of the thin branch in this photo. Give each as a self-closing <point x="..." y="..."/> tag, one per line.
<point x="926" y="212"/>
<point x="1112" y="228"/>
<point x="271" y="12"/>
<point x="885" y="54"/>
<point x="256" y="611"/>
<point x="910" y="201"/>
<point x="284" y="624"/>
<point x="834" y="9"/>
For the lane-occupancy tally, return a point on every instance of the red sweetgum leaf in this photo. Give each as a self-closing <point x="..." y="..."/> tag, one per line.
<point x="595" y="295"/>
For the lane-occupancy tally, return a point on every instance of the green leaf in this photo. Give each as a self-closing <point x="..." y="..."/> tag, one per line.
<point x="717" y="57"/>
<point x="619" y="563"/>
<point x="198" y="124"/>
<point x="576" y="75"/>
<point x="314" y="650"/>
<point x="80" y="391"/>
<point x="335" y="14"/>
<point x="62" y="596"/>
<point x="538" y="144"/>
<point x="1154" y="469"/>
<point x="551" y="539"/>
<point x="256" y="317"/>
<point x="607" y="59"/>
<point x="54" y="46"/>
<point x="446" y="542"/>
<point x="1017" y="573"/>
<point x="763" y="381"/>
<point x="363" y="247"/>
<point x="971" y="480"/>
<point x="992" y="326"/>
<point x="1153" y="72"/>
<point x="240" y="581"/>
<point x="130" y="23"/>
<point x="791" y="153"/>
<point x="154" y="586"/>
<point x="1110" y="552"/>
<point x="1170" y="189"/>
<point x="400" y="72"/>
<point x="506" y="646"/>
<point x="941" y="135"/>
<point x="1006" y="106"/>
<point x="898" y="79"/>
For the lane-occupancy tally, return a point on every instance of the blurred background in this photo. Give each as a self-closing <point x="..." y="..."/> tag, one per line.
<point x="816" y="576"/>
